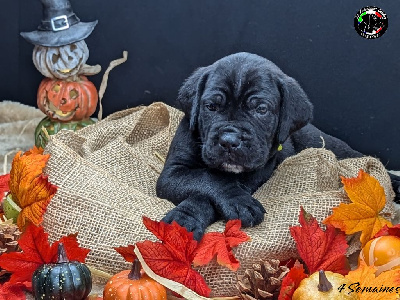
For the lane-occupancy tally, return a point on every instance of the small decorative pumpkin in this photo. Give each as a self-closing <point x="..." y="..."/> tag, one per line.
<point x="323" y="285"/>
<point x="382" y="252"/>
<point x="65" y="279"/>
<point x="52" y="127"/>
<point x="60" y="62"/>
<point x="66" y="101"/>
<point x="133" y="284"/>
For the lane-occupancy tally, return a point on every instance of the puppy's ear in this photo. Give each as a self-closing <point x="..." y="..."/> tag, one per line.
<point x="190" y="94"/>
<point x="295" y="111"/>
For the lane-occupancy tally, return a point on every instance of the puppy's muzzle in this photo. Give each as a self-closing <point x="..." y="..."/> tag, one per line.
<point x="230" y="138"/>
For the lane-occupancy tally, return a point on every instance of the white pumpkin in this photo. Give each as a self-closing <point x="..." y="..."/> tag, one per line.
<point x="61" y="62"/>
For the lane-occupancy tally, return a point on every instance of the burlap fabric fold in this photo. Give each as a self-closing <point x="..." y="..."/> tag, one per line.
<point x="107" y="172"/>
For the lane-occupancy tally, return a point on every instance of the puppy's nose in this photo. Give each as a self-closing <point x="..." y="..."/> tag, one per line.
<point x="229" y="140"/>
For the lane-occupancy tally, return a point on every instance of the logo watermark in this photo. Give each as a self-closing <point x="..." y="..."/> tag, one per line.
<point x="371" y="22"/>
<point x="356" y="288"/>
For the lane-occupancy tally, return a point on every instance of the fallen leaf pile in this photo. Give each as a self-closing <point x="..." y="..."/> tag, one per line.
<point x="30" y="189"/>
<point x="36" y="251"/>
<point x="325" y="250"/>
<point x="173" y="256"/>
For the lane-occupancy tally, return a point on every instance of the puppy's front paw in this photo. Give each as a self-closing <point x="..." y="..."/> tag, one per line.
<point x="244" y="207"/>
<point x="192" y="216"/>
<point x="187" y="221"/>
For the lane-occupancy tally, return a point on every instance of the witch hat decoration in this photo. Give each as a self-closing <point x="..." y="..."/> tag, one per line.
<point x="60" y="26"/>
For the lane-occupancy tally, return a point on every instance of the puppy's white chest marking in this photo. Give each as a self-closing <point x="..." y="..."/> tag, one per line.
<point x="232" y="168"/>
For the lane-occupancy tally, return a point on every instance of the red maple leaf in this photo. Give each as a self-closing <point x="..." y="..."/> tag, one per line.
<point x="9" y="291"/>
<point x="4" y="188"/>
<point x="292" y="281"/>
<point x="36" y="251"/>
<point x="172" y="257"/>
<point x="220" y="244"/>
<point x="320" y="250"/>
<point x="234" y="236"/>
<point x="385" y="230"/>
<point x="128" y="252"/>
<point x="72" y="248"/>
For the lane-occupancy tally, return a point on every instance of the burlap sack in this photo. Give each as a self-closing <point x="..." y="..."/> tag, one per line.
<point x="106" y="174"/>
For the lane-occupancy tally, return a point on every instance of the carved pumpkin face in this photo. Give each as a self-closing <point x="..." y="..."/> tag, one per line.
<point x="67" y="100"/>
<point x="60" y="62"/>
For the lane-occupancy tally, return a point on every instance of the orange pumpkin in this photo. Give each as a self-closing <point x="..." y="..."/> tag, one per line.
<point x="133" y="284"/>
<point x="382" y="252"/>
<point x="66" y="101"/>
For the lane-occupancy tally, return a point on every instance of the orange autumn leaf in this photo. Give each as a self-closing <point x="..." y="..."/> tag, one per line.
<point x="34" y="150"/>
<point x="369" y="287"/>
<point x="29" y="188"/>
<point x="368" y="199"/>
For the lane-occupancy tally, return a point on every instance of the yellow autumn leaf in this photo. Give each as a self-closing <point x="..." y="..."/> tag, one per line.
<point x="368" y="199"/>
<point x="371" y="287"/>
<point x="29" y="188"/>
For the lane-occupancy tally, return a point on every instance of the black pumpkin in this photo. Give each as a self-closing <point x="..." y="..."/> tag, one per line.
<point x="64" y="280"/>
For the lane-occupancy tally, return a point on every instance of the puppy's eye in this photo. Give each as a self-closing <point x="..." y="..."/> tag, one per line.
<point x="212" y="107"/>
<point x="262" y="109"/>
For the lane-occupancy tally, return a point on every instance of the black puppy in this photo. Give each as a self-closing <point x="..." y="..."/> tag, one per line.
<point x="243" y="117"/>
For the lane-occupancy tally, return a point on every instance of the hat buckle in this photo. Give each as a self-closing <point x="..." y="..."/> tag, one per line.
<point x="59" y="23"/>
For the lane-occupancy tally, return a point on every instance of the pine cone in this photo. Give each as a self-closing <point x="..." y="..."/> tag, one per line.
<point x="263" y="281"/>
<point x="9" y="235"/>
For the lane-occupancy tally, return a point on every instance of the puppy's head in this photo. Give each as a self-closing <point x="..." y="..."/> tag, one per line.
<point x="243" y="106"/>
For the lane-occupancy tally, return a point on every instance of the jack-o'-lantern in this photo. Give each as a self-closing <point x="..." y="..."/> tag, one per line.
<point x="48" y="127"/>
<point x="66" y="101"/>
<point x="61" y="62"/>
